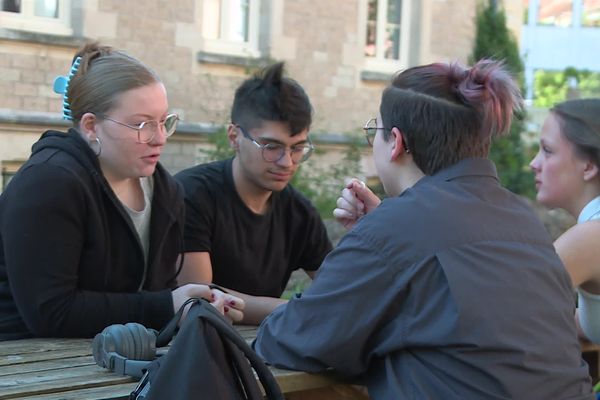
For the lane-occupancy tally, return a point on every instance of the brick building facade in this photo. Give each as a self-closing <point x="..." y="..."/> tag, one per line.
<point x="341" y="51"/>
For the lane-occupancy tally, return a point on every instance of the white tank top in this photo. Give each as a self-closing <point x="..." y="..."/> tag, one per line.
<point x="589" y="303"/>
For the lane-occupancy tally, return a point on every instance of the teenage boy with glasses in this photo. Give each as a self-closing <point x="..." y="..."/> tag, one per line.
<point x="246" y="228"/>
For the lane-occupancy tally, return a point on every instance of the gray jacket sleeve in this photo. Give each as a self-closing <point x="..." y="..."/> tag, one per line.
<point x="334" y="322"/>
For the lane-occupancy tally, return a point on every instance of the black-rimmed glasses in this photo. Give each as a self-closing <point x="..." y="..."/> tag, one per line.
<point x="371" y="129"/>
<point x="273" y="152"/>
<point x="147" y="130"/>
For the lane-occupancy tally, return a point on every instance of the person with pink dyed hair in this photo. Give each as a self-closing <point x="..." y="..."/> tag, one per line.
<point x="449" y="288"/>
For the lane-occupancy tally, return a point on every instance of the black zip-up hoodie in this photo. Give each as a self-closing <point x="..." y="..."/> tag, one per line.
<point x="71" y="262"/>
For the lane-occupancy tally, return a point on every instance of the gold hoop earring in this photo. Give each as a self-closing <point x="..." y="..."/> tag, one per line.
<point x="96" y="142"/>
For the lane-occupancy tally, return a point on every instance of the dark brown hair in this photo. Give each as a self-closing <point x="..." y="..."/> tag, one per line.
<point x="447" y="112"/>
<point x="580" y="124"/>
<point x="269" y="96"/>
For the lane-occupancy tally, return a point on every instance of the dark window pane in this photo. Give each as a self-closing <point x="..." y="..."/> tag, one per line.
<point x="392" y="43"/>
<point x="371" y="39"/>
<point x="392" y="34"/>
<point x="11" y="5"/>
<point x="394" y="11"/>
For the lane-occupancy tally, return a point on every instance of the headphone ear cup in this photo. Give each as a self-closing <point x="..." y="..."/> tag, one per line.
<point x="144" y="342"/>
<point x="113" y="339"/>
<point x="130" y="341"/>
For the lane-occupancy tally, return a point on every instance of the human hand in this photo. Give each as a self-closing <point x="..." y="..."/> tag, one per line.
<point x="230" y="306"/>
<point x="355" y="201"/>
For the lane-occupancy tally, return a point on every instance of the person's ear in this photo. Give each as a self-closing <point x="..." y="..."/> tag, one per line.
<point x="399" y="146"/>
<point x="232" y="135"/>
<point x="88" y="125"/>
<point x="590" y="171"/>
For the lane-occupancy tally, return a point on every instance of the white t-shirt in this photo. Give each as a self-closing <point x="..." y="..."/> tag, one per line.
<point x="141" y="219"/>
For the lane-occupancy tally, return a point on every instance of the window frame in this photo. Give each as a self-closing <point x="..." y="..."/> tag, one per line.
<point x="27" y="21"/>
<point x="8" y="169"/>
<point x="249" y="48"/>
<point x="379" y="62"/>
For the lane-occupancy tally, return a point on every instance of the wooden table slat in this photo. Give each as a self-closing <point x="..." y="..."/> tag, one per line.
<point x="43" y="356"/>
<point x="34" y="383"/>
<point x="47" y="365"/>
<point x="26" y="346"/>
<point x="112" y="392"/>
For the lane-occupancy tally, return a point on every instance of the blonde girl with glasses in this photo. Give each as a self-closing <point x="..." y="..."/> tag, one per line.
<point x="91" y="225"/>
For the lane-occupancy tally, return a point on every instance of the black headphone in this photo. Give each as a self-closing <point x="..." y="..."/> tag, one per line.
<point x="125" y="349"/>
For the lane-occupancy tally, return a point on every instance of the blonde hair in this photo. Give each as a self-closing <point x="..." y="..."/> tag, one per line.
<point x="104" y="73"/>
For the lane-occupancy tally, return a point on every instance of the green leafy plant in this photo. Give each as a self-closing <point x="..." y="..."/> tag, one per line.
<point x="322" y="182"/>
<point x="552" y="87"/>
<point x="510" y="153"/>
<point x="219" y="149"/>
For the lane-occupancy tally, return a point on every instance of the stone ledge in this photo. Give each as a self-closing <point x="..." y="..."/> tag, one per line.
<point x="8" y="116"/>
<point x="375" y="76"/>
<point x="18" y="117"/>
<point x="247" y="62"/>
<point x="44" y="38"/>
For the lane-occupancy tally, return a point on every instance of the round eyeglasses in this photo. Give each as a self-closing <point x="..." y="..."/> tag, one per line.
<point x="371" y="129"/>
<point x="147" y="130"/>
<point x="273" y="152"/>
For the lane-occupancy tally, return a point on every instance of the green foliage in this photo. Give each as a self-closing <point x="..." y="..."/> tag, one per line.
<point x="220" y="149"/>
<point x="320" y="183"/>
<point x="510" y="153"/>
<point x="494" y="40"/>
<point x="512" y="156"/>
<point x="552" y="87"/>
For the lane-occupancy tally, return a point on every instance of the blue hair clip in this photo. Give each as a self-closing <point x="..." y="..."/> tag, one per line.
<point x="61" y="86"/>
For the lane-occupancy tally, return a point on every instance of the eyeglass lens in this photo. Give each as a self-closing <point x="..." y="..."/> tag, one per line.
<point x="371" y="130"/>
<point x="274" y="152"/>
<point x="150" y="128"/>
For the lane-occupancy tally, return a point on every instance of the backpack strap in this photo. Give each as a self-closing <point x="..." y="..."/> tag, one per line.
<point x="201" y="308"/>
<point x="270" y="385"/>
<point x="168" y="331"/>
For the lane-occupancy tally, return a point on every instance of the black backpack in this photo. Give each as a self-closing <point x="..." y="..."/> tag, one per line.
<point x="208" y="359"/>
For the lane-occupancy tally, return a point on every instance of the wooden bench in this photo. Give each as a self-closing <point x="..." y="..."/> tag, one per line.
<point x="53" y="369"/>
<point x="591" y="354"/>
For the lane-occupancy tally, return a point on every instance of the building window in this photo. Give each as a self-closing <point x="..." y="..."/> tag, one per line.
<point x="555" y="13"/>
<point x="386" y="34"/>
<point x="41" y="16"/>
<point x="591" y="13"/>
<point x="231" y="27"/>
<point x="8" y="170"/>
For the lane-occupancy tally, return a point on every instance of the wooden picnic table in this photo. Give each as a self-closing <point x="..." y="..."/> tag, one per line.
<point x="53" y="369"/>
<point x="591" y="354"/>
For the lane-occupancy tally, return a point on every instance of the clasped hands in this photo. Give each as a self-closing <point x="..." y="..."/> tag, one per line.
<point x="355" y="201"/>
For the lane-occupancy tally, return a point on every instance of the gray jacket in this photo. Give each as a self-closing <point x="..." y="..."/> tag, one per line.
<point x="451" y="290"/>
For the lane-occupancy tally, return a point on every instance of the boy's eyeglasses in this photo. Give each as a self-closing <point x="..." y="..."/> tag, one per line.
<point x="371" y="129"/>
<point x="273" y="152"/>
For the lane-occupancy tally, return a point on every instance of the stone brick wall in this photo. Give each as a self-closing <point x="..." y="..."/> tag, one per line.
<point x="321" y="42"/>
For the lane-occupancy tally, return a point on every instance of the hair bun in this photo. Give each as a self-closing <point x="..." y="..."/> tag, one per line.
<point x="489" y="87"/>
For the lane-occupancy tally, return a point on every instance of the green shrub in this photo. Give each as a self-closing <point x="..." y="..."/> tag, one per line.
<point x="510" y="154"/>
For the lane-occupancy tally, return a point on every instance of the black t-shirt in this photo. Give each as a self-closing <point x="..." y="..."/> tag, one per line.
<point x="250" y="253"/>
